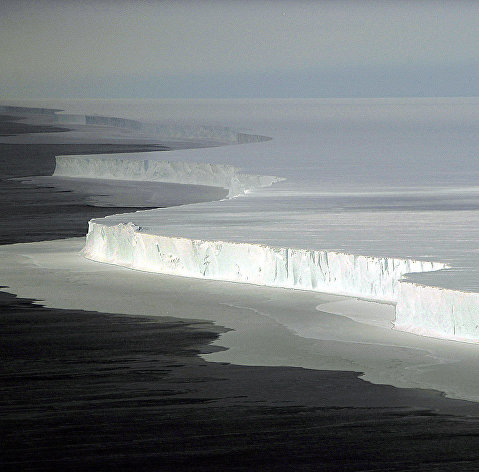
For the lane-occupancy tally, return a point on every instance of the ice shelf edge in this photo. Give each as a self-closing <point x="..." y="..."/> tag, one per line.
<point x="121" y="167"/>
<point x="425" y="310"/>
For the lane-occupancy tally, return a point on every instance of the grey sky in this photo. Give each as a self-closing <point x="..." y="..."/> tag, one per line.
<point x="242" y="48"/>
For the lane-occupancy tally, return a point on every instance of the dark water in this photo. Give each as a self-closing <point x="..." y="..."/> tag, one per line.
<point x="29" y="213"/>
<point x="94" y="391"/>
<point x="10" y="126"/>
<point x="32" y="213"/>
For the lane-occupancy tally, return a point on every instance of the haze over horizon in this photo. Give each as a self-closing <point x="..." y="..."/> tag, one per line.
<point x="207" y="49"/>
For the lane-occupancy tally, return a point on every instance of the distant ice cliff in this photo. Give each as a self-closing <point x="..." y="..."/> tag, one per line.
<point x="141" y="168"/>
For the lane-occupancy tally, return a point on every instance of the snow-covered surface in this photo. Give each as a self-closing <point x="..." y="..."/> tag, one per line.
<point x="374" y="189"/>
<point x="269" y="326"/>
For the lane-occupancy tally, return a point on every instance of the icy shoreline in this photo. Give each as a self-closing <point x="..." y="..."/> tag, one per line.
<point x="172" y="130"/>
<point x="138" y="167"/>
<point x="429" y="311"/>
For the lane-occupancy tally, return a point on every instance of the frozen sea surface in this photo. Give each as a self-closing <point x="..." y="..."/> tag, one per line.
<point x="268" y="326"/>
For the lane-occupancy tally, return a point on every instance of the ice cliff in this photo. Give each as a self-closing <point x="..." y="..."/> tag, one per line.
<point x="437" y="312"/>
<point x="124" y="167"/>
<point x="170" y="130"/>
<point x="147" y="166"/>
<point x="166" y="129"/>
<point x="362" y="178"/>
<point x="420" y="309"/>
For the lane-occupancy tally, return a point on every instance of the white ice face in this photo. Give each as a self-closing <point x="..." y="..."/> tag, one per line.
<point x="137" y="167"/>
<point x="420" y="309"/>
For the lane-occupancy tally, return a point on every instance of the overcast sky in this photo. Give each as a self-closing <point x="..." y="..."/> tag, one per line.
<point x="136" y="49"/>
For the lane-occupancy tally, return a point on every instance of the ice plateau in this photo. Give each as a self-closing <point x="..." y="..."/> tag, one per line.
<point x="372" y="198"/>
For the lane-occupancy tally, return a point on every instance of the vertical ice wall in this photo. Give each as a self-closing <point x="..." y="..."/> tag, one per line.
<point x="125" y="167"/>
<point x="168" y="130"/>
<point x="119" y="167"/>
<point x="420" y="309"/>
<point x="28" y="110"/>
<point x="307" y="269"/>
<point x="437" y="311"/>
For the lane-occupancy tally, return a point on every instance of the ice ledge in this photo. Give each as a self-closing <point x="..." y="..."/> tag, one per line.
<point x="429" y="311"/>
<point x="437" y="312"/>
<point x="167" y="129"/>
<point x="127" y="167"/>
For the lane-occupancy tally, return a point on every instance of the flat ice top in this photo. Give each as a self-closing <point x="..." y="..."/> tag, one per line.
<point x="392" y="177"/>
<point x="443" y="236"/>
